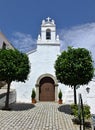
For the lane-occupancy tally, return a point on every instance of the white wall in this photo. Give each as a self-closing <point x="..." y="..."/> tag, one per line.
<point x="42" y="61"/>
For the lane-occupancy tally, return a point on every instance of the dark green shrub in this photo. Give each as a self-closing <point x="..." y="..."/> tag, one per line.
<point x="33" y="95"/>
<point x="86" y="111"/>
<point x="60" y="94"/>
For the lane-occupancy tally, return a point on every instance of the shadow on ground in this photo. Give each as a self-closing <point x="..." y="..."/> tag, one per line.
<point x="21" y="106"/>
<point x="66" y="109"/>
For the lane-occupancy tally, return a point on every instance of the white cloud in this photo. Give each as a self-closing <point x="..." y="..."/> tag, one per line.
<point x="23" y="42"/>
<point x="79" y="36"/>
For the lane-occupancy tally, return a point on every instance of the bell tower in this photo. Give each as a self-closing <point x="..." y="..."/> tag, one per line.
<point x="48" y="32"/>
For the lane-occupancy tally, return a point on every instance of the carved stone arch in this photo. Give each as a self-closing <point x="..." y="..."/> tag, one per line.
<point x="46" y="75"/>
<point x="38" y="85"/>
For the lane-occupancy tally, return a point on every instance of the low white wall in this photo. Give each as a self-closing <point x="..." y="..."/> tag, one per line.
<point x="12" y="97"/>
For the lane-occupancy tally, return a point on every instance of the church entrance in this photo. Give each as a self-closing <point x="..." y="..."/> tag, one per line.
<point x="47" y="89"/>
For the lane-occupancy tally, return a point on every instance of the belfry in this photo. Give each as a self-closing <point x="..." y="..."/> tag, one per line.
<point x="47" y="43"/>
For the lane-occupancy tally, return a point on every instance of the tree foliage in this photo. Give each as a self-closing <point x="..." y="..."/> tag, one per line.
<point x="74" y="67"/>
<point x="14" y="66"/>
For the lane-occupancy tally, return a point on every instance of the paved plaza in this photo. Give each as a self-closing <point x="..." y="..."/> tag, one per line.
<point x="41" y="116"/>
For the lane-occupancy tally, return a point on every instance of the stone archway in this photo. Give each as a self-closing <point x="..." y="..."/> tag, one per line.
<point x="46" y="88"/>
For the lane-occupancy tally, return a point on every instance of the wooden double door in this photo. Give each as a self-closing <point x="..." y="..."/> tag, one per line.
<point x="47" y="89"/>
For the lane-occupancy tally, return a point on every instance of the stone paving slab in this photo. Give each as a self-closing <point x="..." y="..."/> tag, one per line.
<point x="41" y="116"/>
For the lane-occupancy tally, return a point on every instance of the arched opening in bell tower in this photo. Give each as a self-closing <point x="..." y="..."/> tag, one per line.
<point x="48" y="34"/>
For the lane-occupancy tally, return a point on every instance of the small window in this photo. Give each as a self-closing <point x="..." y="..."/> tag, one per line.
<point x="4" y="45"/>
<point x="48" y="34"/>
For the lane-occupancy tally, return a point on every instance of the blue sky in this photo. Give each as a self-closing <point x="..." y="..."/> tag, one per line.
<point x="26" y="15"/>
<point x="20" y="21"/>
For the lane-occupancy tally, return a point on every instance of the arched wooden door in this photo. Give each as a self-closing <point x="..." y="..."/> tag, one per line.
<point x="47" y="89"/>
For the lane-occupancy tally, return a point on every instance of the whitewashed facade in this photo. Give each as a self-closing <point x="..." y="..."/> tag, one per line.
<point x="42" y="62"/>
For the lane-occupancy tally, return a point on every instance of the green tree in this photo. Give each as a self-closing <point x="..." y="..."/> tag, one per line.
<point x="14" y="66"/>
<point x="74" y="67"/>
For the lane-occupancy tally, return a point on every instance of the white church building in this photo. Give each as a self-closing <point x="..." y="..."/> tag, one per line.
<point x="42" y="74"/>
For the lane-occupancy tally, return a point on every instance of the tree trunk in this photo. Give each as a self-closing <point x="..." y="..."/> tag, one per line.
<point x="7" y="97"/>
<point x="75" y="99"/>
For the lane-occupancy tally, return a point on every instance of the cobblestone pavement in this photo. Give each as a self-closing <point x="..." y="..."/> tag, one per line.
<point x="41" y="116"/>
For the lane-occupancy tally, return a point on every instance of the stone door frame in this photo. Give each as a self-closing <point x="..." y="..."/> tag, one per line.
<point x="38" y="85"/>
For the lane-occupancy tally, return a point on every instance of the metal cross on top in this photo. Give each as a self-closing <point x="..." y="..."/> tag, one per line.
<point x="48" y="19"/>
